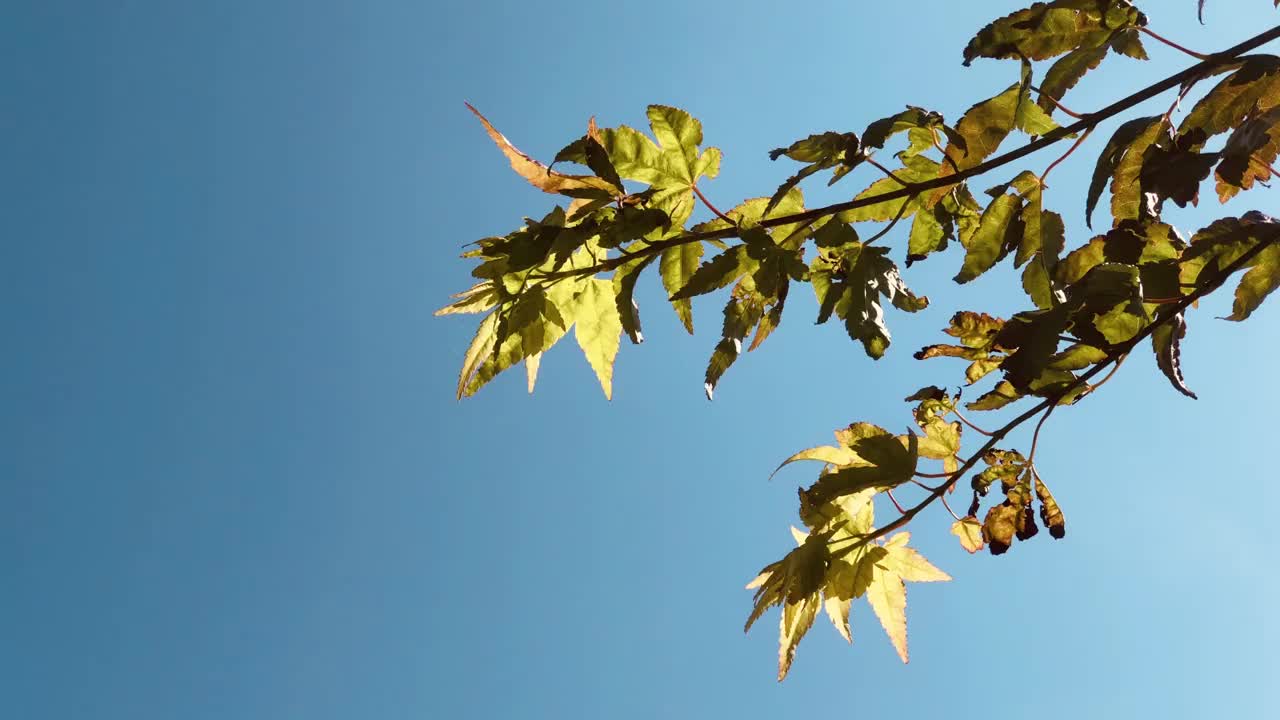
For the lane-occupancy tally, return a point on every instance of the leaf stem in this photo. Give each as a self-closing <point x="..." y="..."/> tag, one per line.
<point x="1035" y="437"/>
<point x="1057" y="104"/>
<point x="1065" y="155"/>
<point x="894" y="500"/>
<point x="711" y="207"/>
<point x="1109" y="375"/>
<point x="872" y="161"/>
<point x="885" y="231"/>
<point x="947" y="505"/>
<point x="1170" y="43"/>
<point x="966" y="421"/>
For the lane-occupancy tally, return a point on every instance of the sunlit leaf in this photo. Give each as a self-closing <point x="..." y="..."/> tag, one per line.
<point x="969" y="531"/>
<point x="598" y="329"/>
<point x="990" y="242"/>
<point x="677" y="267"/>
<point x="539" y="175"/>
<point x="1262" y="278"/>
<point x="1046" y="30"/>
<point x="1128" y="143"/>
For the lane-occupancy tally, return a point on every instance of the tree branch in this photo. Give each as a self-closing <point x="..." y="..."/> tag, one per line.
<point x="1089" y="121"/>
<point x="1116" y="355"/>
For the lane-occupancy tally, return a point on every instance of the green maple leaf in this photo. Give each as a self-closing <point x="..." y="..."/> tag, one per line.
<point x="850" y="283"/>
<point x="1262" y="278"/>
<point x="1046" y="30"/>
<point x="826" y="150"/>
<point x="598" y="329"/>
<point x="983" y="128"/>
<point x="1067" y="71"/>
<point x="677" y="267"/>
<point x="671" y="166"/>
<point x="999" y="226"/>
<point x="969" y="531"/>
<point x="1126" y="173"/>
<point x="1249" y="153"/>
<point x="1124" y="141"/>
<point x="887" y="593"/>
<point x="1254" y="86"/>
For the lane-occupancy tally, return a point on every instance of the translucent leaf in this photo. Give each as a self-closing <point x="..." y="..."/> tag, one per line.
<point x="969" y="530"/>
<point x="999" y="396"/>
<point x="677" y="267"/>
<point x="909" y="564"/>
<point x="539" y="175"/>
<point x="1249" y="154"/>
<point x="988" y="244"/>
<point x="624" y="287"/>
<point x="888" y="598"/>
<point x="1124" y="142"/>
<point x="598" y="329"/>
<point x="831" y="454"/>
<point x="983" y="127"/>
<point x="1067" y="71"/>
<point x="481" y="346"/>
<point x="531" y="365"/>
<point x="477" y="299"/>
<point x="716" y="273"/>
<point x="1255" y="84"/>
<point x="1047" y="30"/>
<point x="1262" y="278"/>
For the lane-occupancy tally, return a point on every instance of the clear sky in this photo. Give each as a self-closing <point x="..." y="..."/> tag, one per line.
<point x="235" y="482"/>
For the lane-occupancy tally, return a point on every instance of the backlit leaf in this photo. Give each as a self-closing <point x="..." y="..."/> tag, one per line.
<point x="1046" y="30"/>
<point x="677" y="267"/>
<point x="1262" y="278"/>
<point x="1130" y="140"/>
<point x="1254" y="85"/>
<point x="598" y="329"/>
<point x="539" y="175"/>
<point x="888" y="598"/>
<point x="969" y="531"/>
<point x="988" y="244"/>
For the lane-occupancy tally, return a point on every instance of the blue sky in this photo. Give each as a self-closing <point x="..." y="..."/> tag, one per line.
<point x="236" y="483"/>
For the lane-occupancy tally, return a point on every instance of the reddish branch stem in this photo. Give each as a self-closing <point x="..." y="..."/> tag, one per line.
<point x="1065" y="155"/>
<point x="966" y="421"/>
<point x="1057" y="104"/>
<point x="872" y="161"/>
<point x="894" y="500"/>
<point x="947" y="505"/>
<point x="1172" y="44"/>
<point x="711" y="207"/>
